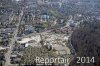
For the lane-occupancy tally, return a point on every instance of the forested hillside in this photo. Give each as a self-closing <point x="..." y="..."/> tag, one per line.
<point x="86" y="41"/>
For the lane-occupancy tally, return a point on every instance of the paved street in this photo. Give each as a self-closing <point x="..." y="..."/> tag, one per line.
<point x="8" y="54"/>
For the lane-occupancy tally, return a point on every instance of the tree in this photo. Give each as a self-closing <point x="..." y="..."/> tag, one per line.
<point x="86" y="41"/>
<point x="31" y="53"/>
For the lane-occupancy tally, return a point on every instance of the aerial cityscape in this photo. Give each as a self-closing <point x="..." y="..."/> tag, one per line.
<point x="49" y="32"/>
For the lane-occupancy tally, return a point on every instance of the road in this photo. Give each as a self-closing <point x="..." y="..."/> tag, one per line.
<point x="13" y="39"/>
<point x="11" y="17"/>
